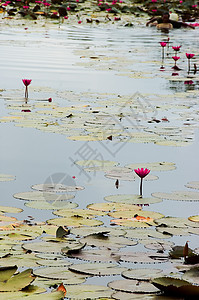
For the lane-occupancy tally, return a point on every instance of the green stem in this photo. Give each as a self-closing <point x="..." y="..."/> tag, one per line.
<point x="141" y="187"/>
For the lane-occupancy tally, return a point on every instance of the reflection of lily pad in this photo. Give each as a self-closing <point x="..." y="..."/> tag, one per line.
<point x="97" y="268"/>
<point x="131" y="199"/>
<point x="42" y="196"/>
<point x="181" y="196"/>
<point x="132" y="286"/>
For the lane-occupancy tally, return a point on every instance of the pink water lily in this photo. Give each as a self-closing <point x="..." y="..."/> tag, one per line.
<point x="163" y="44"/>
<point x="175" y="58"/>
<point x="189" y="56"/>
<point x="141" y="173"/>
<point x="176" y="48"/>
<point x="26" y="82"/>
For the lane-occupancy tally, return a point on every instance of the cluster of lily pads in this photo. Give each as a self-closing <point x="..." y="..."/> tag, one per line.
<point x="65" y="252"/>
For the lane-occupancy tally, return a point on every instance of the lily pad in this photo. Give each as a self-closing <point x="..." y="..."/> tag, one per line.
<point x="96" y="163"/>
<point x="112" y="242"/>
<point x="193" y="185"/>
<point x="131" y="286"/>
<point x="61" y="273"/>
<point x="85" y="231"/>
<point x="156" y="166"/>
<point x="101" y="255"/>
<point x="88" y="291"/>
<point x="97" y="269"/>
<point x="143" y="257"/>
<point x="47" y="205"/>
<point x="192" y="276"/>
<point x="145" y="233"/>
<point x="144" y="274"/>
<point x="74" y="221"/>
<point x="43" y="196"/>
<point x="131" y="199"/>
<point x="56" y="187"/>
<point x="9" y="283"/>
<point x="179" y="196"/>
<point x="7" y="177"/>
<point x="131" y="214"/>
<point x="178" y="287"/>
<point x="113" y="206"/>
<point x="8" y="209"/>
<point x="194" y="218"/>
<point x="84" y="213"/>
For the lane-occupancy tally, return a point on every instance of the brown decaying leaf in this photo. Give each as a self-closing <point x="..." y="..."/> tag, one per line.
<point x="61" y="287"/>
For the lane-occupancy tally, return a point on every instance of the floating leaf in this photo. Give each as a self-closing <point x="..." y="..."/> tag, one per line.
<point x="141" y="274"/>
<point x="6" y="177"/>
<point x="194" y="218"/>
<point x="131" y="199"/>
<point x="97" y="269"/>
<point x="113" y="206"/>
<point x="143" y="257"/>
<point x="192" y="276"/>
<point x="61" y="232"/>
<point x="84" y="213"/>
<point x="180" y="196"/>
<point x="178" y="251"/>
<point x="132" y="286"/>
<point x="96" y="163"/>
<point x="101" y="240"/>
<point x="74" y="221"/>
<point x="16" y="282"/>
<point x="156" y="166"/>
<point x="61" y="273"/>
<point x="85" y="231"/>
<point x="173" y="286"/>
<point x="132" y="214"/>
<point x="8" y="209"/>
<point x="56" y="187"/>
<point x="43" y="196"/>
<point x="56" y="205"/>
<point x="86" y="291"/>
<point x="29" y="292"/>
<point x="193" y="185"/>
<point x="102" y="255"/>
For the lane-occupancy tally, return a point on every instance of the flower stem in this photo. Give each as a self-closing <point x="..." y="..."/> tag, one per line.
<point x="188" y="65"/>
<point x="26" y="92"/>
<point x="141" y="187"/>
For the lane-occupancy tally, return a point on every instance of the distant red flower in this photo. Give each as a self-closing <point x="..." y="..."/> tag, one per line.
<point x="49" y="99"/>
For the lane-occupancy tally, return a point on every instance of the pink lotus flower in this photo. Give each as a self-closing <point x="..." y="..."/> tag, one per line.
<point x="141" y="173"/>
<point x="26" y="82"/>
<point x="190" y="55"/>
<point x="163" y="44"/>
<point x="68" y="8"/>
<point x="79" y="22"/>
<point x="176" y="48"/>
<point x="175" y="58"/>
<point x="49" y="99"/>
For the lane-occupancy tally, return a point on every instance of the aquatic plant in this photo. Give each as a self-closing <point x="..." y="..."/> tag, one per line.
<point x="141" y="173"/>
<point x="189" y="56"/>
<point x="26" y="82"/>
<point x="175" y="58"/>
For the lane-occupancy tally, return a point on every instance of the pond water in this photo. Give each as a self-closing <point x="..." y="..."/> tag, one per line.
<point x="85" y="65"/>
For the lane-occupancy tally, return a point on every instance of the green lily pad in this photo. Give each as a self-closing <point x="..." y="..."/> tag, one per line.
<point x="193" y="185"/>
<point x="113" y="206"/>
<point x="56" y="188"/>
<point x="88" y="291"/>
<point x="143" y="257"/>
<point x="96" y="163"/>
<point x="7" y="177"/>
<point x="100" y="255"/>
<point x="131" y="199"/>
<point x="101" y="240"/>
<point x="8" y="209"/>
<point x="74" y="221"/>
<point x="43" y="196"/>
<point x="47" y="205"/>
<point x="156" y="166"/>
<point x="145" y="233"/>
<point x="131" y="214"/>
<point x="31" y="291"/>
<point x="16" y="282"/>
<point x="85" y="231"/>
<point x="131" y="286"/>
<point x="178" y="287"/>
<point x="61" y="273"/>
<point x="97" y="269"/>
<point x="84" y="213"/>
<point x="144" y="274"/>
<point x="131" y="296"/>
<point x="179" y="196"/>
<point x="192" y="276"/>
<point x="21" y="260"/>
<point x="194" y="218"/>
